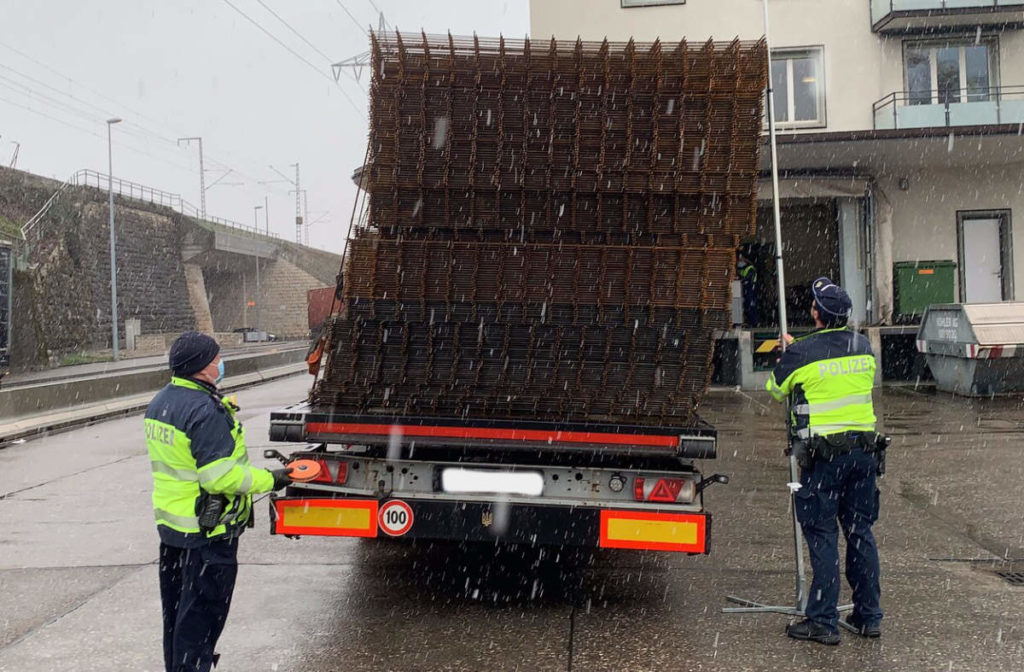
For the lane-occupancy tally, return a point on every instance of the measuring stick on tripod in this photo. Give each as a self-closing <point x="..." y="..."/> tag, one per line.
<point x="800" y="600"/>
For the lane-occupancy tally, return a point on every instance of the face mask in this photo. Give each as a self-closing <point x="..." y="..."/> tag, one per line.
<point x="220" y="372"/>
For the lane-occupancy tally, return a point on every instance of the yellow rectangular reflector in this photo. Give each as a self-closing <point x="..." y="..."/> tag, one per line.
<point x="653" y="531"/>
<point x="330" y="517"/>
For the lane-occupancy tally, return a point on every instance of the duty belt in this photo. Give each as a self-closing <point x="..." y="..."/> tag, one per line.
<point x="831" y="446"/>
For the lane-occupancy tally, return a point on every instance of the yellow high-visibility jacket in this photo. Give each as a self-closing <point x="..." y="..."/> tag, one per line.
<point x="828" y="376"/>
<point x="196" y="447"/>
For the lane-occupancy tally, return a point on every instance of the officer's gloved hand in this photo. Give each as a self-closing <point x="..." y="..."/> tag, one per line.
<point x="282" y="477"/>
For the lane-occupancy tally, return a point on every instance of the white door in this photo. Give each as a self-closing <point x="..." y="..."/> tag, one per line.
<point x="982" y="261"/>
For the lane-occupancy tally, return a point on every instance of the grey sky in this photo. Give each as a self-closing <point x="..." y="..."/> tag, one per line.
<point x="198" y="68"/>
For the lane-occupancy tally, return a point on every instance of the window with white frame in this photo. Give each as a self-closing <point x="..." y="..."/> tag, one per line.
<point x="799" y="81"/>
<point x="950" y="71"/>
<point x="650" y="3"/>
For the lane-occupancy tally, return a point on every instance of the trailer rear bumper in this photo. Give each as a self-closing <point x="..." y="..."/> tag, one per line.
<point x="486" y="521"/>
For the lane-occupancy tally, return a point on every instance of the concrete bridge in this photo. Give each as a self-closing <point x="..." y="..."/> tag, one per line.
<point x="176" y="270"/>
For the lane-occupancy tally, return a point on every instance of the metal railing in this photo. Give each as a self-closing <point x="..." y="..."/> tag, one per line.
<point x="136" y="192"/>
<point x="950" y="108"/>
<point x="34" y="219"/>
<point x="882" y="8"/>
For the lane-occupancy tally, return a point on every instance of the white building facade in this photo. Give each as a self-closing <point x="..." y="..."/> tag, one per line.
<point x="901" y="138"/>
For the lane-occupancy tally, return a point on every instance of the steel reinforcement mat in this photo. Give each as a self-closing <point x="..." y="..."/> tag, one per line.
<point x="551" y="230"/>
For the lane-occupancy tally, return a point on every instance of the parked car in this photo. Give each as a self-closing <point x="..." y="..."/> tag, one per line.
<point x="251" y="335"/>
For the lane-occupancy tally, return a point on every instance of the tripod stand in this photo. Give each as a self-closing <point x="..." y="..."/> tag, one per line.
<point x="800" y="600"/>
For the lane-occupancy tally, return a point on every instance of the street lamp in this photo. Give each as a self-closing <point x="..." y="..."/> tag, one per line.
<point x="113" y="243"/>
<point x="256" y="303"/>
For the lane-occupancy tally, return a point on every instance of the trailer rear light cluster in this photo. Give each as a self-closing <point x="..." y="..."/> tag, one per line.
<point x="667" y="490"/>
<point x="332" y="471"/>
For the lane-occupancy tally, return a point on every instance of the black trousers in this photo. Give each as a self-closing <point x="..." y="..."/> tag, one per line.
<point x="195" y="590"/>
<point x="843" y="489"/>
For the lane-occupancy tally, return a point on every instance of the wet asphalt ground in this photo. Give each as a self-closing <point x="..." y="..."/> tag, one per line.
<point x="78" y="579"/>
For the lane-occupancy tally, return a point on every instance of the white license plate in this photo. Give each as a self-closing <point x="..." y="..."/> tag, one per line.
<point x="490" y="482"/>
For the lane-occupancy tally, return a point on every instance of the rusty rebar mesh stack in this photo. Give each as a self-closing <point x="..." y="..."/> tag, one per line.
<point x="552" y="228"/>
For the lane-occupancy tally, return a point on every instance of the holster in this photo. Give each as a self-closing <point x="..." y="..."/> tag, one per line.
<point x="878" y="447"/>
<point x="209" y="510"/>
<point x="800" y="449"/>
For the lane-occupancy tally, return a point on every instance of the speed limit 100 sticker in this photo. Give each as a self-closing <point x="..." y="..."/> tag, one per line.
<point x="395" y="518"/>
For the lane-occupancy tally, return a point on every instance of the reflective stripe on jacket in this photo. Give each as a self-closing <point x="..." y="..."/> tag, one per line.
<point x="197" y="446"/>
<point x="828" y="376"/>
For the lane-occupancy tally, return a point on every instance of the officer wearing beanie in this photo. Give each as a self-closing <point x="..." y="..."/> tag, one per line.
<point x="202" y="500"/>
<point x="828" y="376"/>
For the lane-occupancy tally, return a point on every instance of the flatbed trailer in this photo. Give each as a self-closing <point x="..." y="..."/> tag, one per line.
<point x="594" y="484"/>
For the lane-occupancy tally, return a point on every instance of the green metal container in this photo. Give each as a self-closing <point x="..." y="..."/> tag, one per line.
<point x="919" y="284"/>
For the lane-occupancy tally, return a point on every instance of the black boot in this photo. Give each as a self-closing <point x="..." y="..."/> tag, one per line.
<point x="869" y="630"/>
<point x="807" y="630"/>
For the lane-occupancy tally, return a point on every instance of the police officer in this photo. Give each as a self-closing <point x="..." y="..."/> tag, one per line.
<point x="828" y="376"/>
<point x="748" y="281"/>
<point x="202" y="499"/>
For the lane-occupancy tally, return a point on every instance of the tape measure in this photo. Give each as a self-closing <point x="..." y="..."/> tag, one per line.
<point x="304" y="470"/>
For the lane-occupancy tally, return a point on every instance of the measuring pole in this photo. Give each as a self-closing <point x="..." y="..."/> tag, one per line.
<point x="794" y="477"/>
<point x="800" y="600"/>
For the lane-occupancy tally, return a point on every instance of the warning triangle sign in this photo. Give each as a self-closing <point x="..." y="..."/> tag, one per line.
<point x="666" y="490"/>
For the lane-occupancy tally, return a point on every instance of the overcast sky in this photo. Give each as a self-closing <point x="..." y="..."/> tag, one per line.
<point x="174" y="68"/>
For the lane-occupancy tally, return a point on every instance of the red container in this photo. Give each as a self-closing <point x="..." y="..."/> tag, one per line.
<point x="318" y="302"/>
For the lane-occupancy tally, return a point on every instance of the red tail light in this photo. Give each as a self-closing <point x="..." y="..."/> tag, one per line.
<point x="332" y="471"/>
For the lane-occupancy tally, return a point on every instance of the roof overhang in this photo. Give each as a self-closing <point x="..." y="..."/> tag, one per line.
<point x="1001" y="17"/>
<point x="883" y="151"/>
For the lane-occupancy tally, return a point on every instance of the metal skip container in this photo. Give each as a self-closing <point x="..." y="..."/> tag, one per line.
<point x="974" y="349"/>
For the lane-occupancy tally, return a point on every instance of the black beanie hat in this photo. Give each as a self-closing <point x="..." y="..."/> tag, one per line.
<point x="831" y="301"/>
<point x="191" y="353"/>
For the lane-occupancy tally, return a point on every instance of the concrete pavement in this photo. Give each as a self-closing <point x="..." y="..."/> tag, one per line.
<point x="78" y="584"/>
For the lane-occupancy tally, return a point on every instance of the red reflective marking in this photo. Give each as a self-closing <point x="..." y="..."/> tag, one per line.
<point x="493" y="433"/>
<point x="282" y="505"/>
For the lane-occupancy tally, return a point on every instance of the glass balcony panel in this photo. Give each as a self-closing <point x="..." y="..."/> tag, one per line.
<point x="910" y="5"/>
<point x="996" y="105"/>
<point x="884" y="6"/>
<point x="973" y="114"/>
<point x="1011" y="112"/>
<point x="885" y="118"/>
<point x="920" y="116"/>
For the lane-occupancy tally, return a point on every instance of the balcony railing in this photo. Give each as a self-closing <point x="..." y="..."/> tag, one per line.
<point x="950" y="108"/>
<point x="904" y="14"/>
